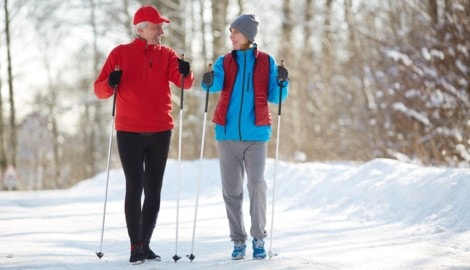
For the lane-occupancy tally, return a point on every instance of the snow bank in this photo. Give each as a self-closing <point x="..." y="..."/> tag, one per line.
<point x="383" y="189"/>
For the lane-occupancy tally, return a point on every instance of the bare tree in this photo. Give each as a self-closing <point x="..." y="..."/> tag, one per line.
<point x="203" y="31"/>
<point x="423" y="103"/>
<point x="327" y="45"/>
<point x="363" y="84"/>
<point x="218" y="25"/>
<point x="292" y="109"/>
<point x="91" y="120"/>
<point x="3" y="156"/>
<point x="13" y="143"/>
<point x="41" y="15"/>
<point x="302" y="99"/>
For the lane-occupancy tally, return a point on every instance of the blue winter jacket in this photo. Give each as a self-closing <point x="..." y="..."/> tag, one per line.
<point x="240" y="125"/>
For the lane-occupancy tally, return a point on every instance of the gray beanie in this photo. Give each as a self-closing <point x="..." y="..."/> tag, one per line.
<point x="247" y="25"/>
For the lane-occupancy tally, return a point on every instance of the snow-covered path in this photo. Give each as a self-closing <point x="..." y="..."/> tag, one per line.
<point x="379" y="215"/>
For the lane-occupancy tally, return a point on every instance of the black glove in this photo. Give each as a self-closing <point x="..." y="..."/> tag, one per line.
<point x="208" y="78"/>
<point x="183" y="67"/>
<point x="114" y="78"/>
<point x="282" y="73"/>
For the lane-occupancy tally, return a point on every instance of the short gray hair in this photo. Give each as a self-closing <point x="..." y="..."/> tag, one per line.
<point x="139" y="26"/>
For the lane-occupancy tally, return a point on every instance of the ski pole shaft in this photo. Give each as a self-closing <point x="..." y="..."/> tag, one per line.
<point x="111" y="127"/>
<point x="274" y="187"/>
<point x="176" y="257"/>
<point x="201" y="156"/>
<point x="281" y="85"/>
<point x="100" y="253"/>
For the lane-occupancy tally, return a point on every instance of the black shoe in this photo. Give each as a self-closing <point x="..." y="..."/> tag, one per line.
<point x="149" y="254"/>
<point x="137" y="255"/>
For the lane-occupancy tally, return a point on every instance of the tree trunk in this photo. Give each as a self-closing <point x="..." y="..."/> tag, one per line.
<point x="287" y="28"/>
<point x="13" y="137"/>
<point x="433" y="11"/>
<point x="203" y="31"/>
<point x="3" y="158"/>
<point x="219" y="27"/>
<point x="327" y="46"/>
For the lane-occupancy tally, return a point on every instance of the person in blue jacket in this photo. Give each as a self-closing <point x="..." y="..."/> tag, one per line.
<point x="247" y="80"/>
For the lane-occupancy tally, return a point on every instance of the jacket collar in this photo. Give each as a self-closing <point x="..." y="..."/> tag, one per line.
<point x="142" y="43"/>
<point x="252" y="50"/>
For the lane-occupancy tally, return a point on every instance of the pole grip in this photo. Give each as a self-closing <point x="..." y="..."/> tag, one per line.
<point x="116" y="68"/>
<point x="182" y="87"/>
<point x="209" y="69"/>
<point x="281" y="85"/>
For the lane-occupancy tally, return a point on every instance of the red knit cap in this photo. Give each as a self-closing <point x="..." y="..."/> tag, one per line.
<point x="149" y="14"/>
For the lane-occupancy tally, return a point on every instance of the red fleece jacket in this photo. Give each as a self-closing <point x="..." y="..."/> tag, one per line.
<point x="143" y="101"/>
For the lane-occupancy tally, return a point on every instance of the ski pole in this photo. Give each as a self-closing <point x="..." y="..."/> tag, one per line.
<point x="281" y="85"/>
<point x="207" y="80"/>
<point x="176" y="257"/>
<point x="111" y="126"/>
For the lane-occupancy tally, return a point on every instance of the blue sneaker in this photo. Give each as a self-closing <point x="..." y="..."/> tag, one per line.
<point x="258" y="249"/>
<point x="239" y="250"/>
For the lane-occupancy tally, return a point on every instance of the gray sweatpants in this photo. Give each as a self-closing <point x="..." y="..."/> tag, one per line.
<point x="235" y="158"/>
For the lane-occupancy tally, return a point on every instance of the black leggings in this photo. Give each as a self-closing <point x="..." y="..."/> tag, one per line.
<point x="143" y="159"/>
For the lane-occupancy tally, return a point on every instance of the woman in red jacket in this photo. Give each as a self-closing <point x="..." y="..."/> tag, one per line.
<point x="141" y="71"/>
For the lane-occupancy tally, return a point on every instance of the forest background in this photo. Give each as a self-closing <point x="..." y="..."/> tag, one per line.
<point x="368" y="79"/>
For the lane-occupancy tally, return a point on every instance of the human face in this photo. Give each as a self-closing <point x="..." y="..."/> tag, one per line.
<point x="152" y="33"/>
<point x="239" y="41"/>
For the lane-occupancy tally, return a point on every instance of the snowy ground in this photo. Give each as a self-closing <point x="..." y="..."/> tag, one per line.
<point x="382" y="214"/>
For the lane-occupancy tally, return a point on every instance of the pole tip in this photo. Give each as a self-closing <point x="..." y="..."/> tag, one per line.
<point x="176" y="258"/>
<point x="99" y="254"/>
<point x="191" y="257"/>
